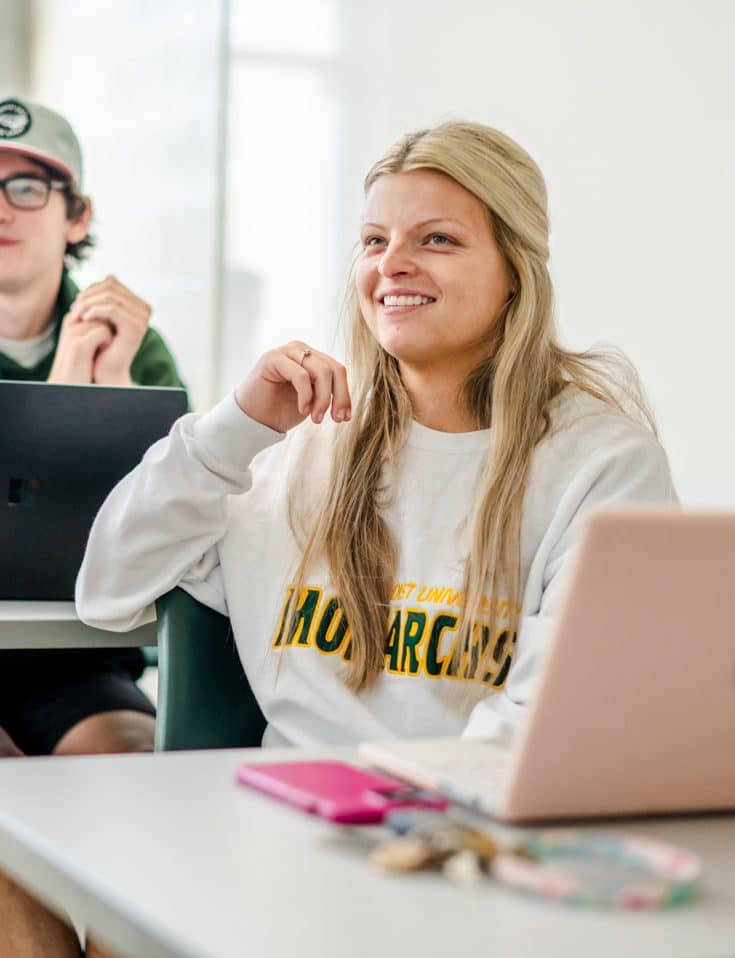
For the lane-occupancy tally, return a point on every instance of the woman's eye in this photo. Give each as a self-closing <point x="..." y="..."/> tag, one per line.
<point x="439" y="239"/>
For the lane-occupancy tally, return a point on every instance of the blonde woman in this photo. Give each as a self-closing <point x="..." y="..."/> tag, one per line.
<point x="391" y="551"/>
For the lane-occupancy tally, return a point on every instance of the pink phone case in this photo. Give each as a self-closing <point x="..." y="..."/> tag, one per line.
<point x="336" y="791"/>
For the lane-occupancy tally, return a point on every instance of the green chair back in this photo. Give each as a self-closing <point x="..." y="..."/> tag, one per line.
<point x="204" y="698"/>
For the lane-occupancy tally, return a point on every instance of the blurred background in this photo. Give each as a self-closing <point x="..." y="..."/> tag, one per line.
<point x="225" y="145"/>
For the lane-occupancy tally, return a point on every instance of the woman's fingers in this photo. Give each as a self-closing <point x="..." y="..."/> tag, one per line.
<point x="320" y="375"/>
<point x="292" y="372"/>
<point x="292" y="382"/>
<point x="341" y="402"/>
<point x="328" y="379"/>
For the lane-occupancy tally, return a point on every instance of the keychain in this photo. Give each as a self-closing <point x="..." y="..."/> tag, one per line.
<point x="463" y="853"/>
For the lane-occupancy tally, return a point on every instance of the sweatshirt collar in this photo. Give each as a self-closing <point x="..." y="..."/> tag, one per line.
<point x="421" y="437"/>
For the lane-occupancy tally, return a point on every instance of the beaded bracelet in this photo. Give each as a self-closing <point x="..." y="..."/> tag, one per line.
<point x="555" y="865"/>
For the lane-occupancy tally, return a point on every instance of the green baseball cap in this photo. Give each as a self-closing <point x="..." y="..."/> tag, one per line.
<point x="39" y="133"/>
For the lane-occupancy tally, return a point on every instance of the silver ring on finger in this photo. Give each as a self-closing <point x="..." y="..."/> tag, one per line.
<point x="304" y="355"/>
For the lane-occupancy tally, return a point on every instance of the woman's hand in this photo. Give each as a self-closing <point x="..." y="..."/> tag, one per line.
<point x="292" y="382"/>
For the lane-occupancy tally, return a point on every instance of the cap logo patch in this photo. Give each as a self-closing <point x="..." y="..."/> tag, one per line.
<point x="15" y="120"/>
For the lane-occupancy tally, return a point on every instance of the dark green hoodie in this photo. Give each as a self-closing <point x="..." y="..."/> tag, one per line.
<point x="153" y="364"/>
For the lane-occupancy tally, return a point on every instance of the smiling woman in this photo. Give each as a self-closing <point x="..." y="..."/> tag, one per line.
<point x="411" y="551"/>
<point x="432" y="284"/>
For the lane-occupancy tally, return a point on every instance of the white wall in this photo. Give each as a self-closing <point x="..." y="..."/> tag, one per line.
<point x="624" y="103"/>
<point x="627" y="107"/>
<point x="283" y="163"/>
<point x="14" y="41"/>
<point x="138" y="80"/>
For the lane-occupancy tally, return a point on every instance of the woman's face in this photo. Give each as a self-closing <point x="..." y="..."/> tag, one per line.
<point x="431" y="279"/>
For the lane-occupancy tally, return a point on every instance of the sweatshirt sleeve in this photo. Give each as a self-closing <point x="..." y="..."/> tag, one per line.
<point x="634" y="470"/>
<point x="161" y="524"/>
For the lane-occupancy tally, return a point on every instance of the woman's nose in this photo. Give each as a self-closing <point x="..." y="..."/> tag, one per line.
<point x="397" y="260"/>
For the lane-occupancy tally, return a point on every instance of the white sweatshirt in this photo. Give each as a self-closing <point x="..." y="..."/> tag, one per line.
<point x="207" y="509"/>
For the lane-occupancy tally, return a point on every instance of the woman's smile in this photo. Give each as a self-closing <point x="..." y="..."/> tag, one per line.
<point x="399" y="301"/>
<point x="429" y="253"/>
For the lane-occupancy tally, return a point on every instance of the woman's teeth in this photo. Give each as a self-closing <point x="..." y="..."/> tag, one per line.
<point x="407" y="300"/>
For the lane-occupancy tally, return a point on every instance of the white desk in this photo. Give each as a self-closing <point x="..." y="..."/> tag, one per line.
<point x="55" y="625"/>
<point x="166" y="856"/>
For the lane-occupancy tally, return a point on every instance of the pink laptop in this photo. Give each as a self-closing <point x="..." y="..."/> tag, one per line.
<point x="634" y="711"/>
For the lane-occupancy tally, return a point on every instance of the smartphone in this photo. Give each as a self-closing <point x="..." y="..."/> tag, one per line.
<point x="336" y="791"/>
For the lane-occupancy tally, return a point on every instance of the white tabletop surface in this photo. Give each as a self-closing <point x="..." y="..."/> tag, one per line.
<point x="166" y="856"/>
<point x="55" y="625"/>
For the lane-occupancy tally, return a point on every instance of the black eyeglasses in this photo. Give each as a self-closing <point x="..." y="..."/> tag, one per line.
<point x="29" y="192"/>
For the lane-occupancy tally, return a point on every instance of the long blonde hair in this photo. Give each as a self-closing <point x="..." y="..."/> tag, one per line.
<point x="513" y="390"/>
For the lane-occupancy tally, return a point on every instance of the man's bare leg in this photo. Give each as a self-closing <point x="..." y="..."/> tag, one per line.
<point x="30" y="930"/>
<point x="8" y="748"/>
<point x="95" y="950"/>
<point x="27" y="928"/>
<point x="109" y="733"/>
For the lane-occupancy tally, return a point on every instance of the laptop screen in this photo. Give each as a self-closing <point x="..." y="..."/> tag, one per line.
<point x="62" y="449"/>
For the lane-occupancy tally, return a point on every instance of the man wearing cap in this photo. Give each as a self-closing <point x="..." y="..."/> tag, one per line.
<point x="66" y="701"/>
<point x="62" y="701"/>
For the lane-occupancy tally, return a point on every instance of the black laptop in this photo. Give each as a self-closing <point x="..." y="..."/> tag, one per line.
<point x="62" y="449"/>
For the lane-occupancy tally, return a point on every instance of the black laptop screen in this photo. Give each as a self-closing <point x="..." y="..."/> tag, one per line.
<point x="62" y="449"/>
